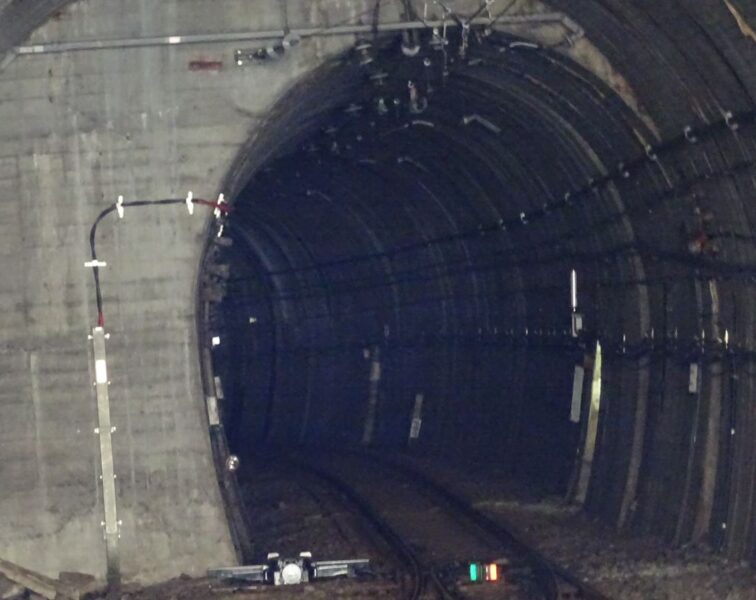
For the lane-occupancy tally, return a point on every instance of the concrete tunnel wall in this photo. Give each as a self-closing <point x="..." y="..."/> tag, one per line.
<point x="139" y="122"/>
<point x="77" y="130"/>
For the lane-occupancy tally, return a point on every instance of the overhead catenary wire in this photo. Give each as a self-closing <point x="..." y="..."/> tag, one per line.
<point x="706" y="266"/>
<point x="571" y="199"/>
<point x="575" y="234"/>
<point x="383" y="309"/>
<point x="709" y="269"/>
<point x="680" y="352"/>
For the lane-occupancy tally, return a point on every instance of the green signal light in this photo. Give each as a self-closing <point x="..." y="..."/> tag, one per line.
<point x="473" y="572"/>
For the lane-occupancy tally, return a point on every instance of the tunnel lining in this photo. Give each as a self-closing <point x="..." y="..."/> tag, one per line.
<point x="620" y="487"/>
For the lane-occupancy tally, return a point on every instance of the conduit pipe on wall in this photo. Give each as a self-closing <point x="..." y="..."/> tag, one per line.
<point x="274" y="34"/>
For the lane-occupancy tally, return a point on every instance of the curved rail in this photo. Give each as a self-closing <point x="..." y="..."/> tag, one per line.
<point x="415" y="567"/>
<point x="555" y="580"/>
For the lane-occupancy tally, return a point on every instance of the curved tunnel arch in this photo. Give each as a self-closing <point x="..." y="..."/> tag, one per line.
<point x="443" y="234"/>
<point x="662" y="92"/>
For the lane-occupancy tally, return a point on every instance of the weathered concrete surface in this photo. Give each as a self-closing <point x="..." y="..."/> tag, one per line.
<point x="76" y="130"/>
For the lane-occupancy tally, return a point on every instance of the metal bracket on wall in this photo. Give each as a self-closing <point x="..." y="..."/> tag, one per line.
<point x="105" y="432"/>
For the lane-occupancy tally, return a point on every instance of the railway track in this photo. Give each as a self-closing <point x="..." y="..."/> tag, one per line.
<point x="559" y="582"/>
<point x="419" y="572"/>
<point x="442" y="515"/>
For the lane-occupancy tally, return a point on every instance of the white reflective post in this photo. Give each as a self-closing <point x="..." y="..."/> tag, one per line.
<point x="573" y="290"/>
<point x="577" y="318"/>
<point x="105" y="431"/>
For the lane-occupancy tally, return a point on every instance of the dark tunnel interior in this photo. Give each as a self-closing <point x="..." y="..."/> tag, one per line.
<point x="404" y="231"/>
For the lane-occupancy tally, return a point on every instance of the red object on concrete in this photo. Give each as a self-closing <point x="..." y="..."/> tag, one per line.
<point x="205" y="65"/>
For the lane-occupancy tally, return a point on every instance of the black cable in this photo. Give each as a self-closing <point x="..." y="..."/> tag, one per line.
<point x="440" y="300"/>
<point x="95" y="268"/>
<point x="706" y="268"/>
<point x="680" y="353"/>
<point x="131" y="204"/>
<point x="570" y="199"/>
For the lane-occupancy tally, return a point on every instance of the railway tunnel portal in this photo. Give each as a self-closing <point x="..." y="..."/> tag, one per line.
<point x="408" y="206"/>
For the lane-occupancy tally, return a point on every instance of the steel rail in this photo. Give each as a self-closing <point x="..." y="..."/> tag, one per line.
<point x="417" y="569"/>
<point x="551" y="575"/>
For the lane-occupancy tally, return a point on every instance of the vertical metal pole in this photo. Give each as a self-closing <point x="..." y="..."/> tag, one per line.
<point x="105" y="431"/>
<point x="573" y="290"/>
